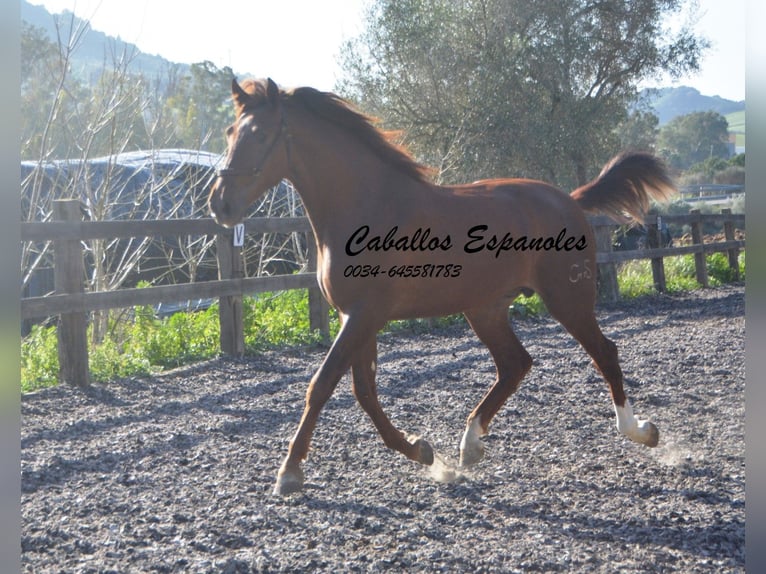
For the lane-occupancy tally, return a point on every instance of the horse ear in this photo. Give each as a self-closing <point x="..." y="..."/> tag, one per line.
<point x="272" y="92"/>
<point x="239" y="95"/>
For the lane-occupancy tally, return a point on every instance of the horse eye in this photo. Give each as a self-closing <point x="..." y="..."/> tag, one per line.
<point x="259" y="135"/>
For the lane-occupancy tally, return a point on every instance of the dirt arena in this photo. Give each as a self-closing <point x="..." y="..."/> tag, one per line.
<point x="174" y="473"/>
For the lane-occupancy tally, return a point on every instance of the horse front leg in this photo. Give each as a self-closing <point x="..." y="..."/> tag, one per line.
<point x="336" y="363"/>
<point x="363" y="370"/>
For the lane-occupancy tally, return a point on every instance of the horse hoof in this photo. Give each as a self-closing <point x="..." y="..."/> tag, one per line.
<point x="289" y="481"/>
<point x="471" y="453"/>
<point x="650" y="434"/>
<point x="425" y="452"/>
<point x="471" y="446"/>
<point x="636" y="429"/>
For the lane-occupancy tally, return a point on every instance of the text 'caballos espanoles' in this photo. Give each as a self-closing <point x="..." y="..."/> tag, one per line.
<point x="477" y="239"/>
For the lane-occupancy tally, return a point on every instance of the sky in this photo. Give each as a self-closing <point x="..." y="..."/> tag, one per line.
<point x="297" y="42"/>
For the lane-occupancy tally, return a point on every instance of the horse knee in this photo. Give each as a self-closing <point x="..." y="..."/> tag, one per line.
<point x="318" y="392"/>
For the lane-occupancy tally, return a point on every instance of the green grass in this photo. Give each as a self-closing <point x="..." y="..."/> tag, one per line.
<point x="144" y="343"/>
<point x="736" y="122"/>
<point x="278" y="319"/>
<point x="39" y="359"/>
<point x="528" y="306"/>
<point x="635" y="277"/>
<point x="139" y="343"/>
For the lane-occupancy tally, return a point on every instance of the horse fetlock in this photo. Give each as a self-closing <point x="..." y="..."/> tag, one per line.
<point x="289" y="480"/>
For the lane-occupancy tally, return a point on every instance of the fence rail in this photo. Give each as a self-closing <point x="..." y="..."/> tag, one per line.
<point x="607" y="259"/>
<point x="72" y="303"/>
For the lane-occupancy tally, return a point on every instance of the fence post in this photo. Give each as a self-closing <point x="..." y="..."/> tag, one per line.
<point x="728" y="230"/>
<point x="700" y="265"/>
<point x="69" y="278"/>
<point x="319" y="309"/>
<point x="654" y="237"/>
<point x="608" y="289"/>
<point x="230" y="306"/>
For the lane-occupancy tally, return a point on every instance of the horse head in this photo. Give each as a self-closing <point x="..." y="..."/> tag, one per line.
<point x="257" y="154"/>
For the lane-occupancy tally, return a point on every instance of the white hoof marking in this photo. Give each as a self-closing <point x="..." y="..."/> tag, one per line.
<point x="637" y="430"/>
<point x="471" y="447"/>
<point x="288" y="481"/>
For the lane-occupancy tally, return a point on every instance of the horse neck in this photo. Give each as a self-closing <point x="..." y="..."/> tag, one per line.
<point x="338" y="176"/>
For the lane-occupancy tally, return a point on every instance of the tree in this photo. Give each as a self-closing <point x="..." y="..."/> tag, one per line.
<point x="715" y="170"/>
<point x="639" y="131"/>
<point x="692" y="138"/>
<point x="200" y="107"/>
<point x="513" y="87"/>
<point x="87" y="127"/>
<point x="47" y="94"/>
<point x="74" y="135"/>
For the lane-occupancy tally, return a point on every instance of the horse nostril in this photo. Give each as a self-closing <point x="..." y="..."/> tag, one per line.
<point x="218" y="207"/>
<point x="221" y="210"/>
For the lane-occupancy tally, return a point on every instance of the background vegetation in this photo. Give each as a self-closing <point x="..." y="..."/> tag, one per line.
<point x="479" y="88"/>
<point x="498" y="88"/>
<point x="145" y="344"/>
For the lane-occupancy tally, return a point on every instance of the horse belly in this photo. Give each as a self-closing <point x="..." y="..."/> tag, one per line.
<point x="438" y="297"/>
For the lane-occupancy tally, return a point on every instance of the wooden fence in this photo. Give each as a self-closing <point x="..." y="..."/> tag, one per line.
<point x="72" y="303"/>
<point x="607" y="259"/>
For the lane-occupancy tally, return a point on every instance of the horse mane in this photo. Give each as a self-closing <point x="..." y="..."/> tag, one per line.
<point x="339" y="112"/>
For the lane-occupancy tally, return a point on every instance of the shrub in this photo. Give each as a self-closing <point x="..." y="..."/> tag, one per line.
<point x="719" y="271"/>
<point x="140" y="343"/>
<point x="39" y="359"/>
<point x="277" y="319"/>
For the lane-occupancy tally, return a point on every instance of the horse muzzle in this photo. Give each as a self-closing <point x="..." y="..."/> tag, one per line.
<point x="220" y="208"/>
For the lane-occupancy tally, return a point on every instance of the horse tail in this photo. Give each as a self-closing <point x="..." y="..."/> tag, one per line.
<point x="626" y="186"/>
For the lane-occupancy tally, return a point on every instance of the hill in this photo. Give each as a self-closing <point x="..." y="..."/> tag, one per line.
<point x="95" y="48"/>
<point x="669" y="103"/>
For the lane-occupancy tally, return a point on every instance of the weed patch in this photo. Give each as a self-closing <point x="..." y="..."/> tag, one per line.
<point x="139" y="343"/>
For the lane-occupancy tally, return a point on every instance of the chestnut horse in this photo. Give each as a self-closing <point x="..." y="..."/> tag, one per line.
<point x="393" y="245"/>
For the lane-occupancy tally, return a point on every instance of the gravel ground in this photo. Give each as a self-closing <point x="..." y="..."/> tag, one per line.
<point x="174" y="473"/>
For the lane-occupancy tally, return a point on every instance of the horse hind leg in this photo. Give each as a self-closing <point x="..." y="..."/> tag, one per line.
<point x="512" y="362"/>
<point x="630" y="425"/>
<point x="363" y="370"/>
<point x="582" y="324"/>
